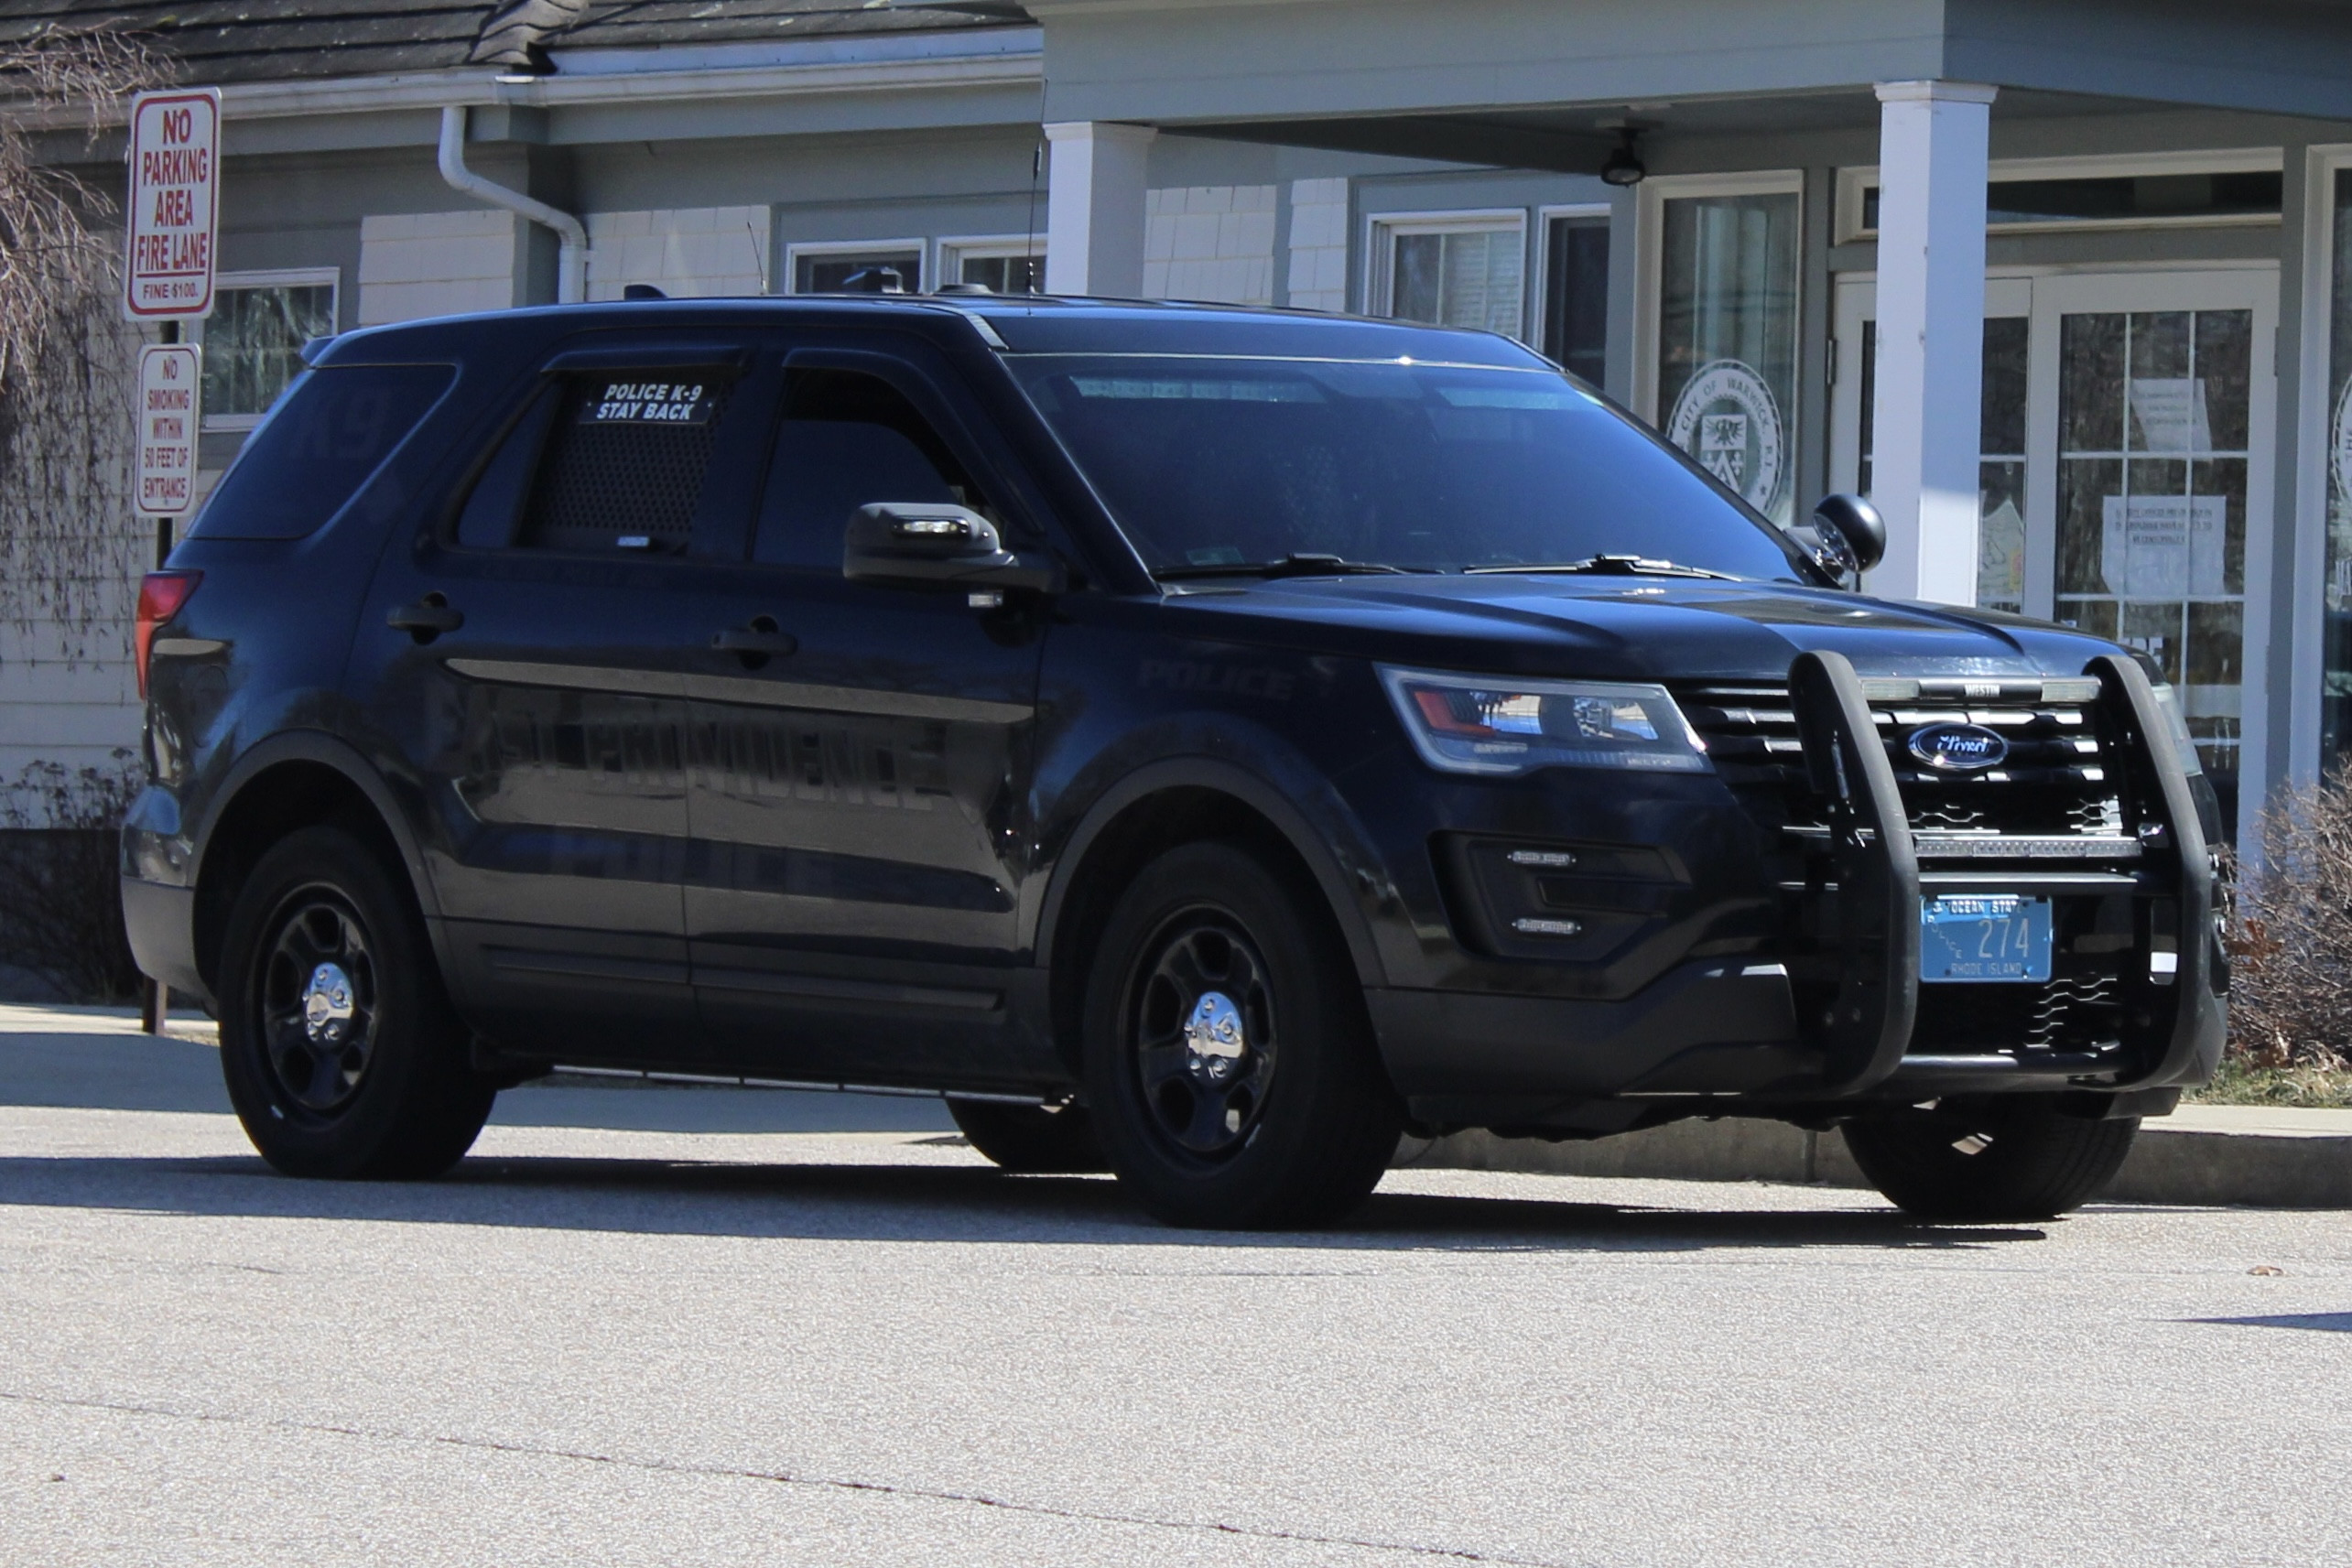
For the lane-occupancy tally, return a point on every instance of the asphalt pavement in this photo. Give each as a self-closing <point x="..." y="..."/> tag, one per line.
<point x="703" y="1326"/>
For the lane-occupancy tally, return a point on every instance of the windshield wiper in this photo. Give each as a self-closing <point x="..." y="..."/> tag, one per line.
<point x="1611" y="565"/>
<point x="1294" y="565"/>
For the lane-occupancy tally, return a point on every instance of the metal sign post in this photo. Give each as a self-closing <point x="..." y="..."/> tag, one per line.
<point x="172" y="220"/>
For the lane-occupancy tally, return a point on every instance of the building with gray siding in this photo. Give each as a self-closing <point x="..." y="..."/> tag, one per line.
<point x="2059" y="283"/>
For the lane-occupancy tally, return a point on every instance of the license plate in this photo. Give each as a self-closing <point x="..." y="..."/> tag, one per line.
<point x="1974" y="938"/>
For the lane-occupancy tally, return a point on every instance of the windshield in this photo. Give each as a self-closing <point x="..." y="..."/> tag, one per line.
<point x="1231" y="463"/>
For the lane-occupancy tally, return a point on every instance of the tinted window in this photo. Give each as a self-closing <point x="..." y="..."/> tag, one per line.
<point x="626" y="461"/>
<point x="1231" y="462"/>
<point x="495" y="505"/>
<point x="847" y="440"/>
<point x="331" y="430"/>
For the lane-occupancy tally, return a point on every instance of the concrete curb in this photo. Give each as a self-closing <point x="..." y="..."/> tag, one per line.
<point x="2256" y="1159"/>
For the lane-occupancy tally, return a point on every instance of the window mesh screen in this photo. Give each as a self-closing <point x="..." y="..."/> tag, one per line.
<point x="638" y="476"/>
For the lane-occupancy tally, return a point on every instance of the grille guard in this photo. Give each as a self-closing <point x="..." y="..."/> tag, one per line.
<point x="2172" y="1033"/>
<point x="1870" y="1019"/>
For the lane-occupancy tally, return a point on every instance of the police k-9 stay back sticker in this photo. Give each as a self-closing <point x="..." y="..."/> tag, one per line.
<point x="651" y="403"/>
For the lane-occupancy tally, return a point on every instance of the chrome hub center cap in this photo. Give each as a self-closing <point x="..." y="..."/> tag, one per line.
<point x="1214" y="1039"/>
<point x="327" y="1004"/>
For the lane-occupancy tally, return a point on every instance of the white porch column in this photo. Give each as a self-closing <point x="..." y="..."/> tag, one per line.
<point x="1932" y="157"/>
<point x="1094" y="208"/>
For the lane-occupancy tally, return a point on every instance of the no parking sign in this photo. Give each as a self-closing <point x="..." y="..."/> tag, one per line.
<point x="174" y="206"/>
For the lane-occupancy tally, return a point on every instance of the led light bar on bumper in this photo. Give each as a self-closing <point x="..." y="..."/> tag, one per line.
<point x="1509" y="725"/>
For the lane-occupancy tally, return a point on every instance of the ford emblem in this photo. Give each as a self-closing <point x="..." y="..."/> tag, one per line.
<point x="1958" y="748"/>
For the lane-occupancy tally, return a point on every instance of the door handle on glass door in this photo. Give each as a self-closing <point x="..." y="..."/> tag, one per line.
<point x="426" y="618"/>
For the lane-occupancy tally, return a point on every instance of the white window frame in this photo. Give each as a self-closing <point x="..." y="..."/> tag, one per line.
<point x="2307" y="620"/>
<point x="1853" y="182"/>
<point x="1539" y="316"/>
<point x="1380" y="253"/>
<point x="790" y="281"/>
<point x="951" y="251"/>
<point x="1649" y="256"/>
<point x="278" y="278"/>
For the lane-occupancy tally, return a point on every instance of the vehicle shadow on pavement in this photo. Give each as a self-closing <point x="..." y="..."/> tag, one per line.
<point x="907" y="1202"/>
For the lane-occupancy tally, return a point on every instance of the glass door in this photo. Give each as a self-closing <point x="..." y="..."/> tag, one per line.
<point x="2125" y="480"/>
<point x="2155" y="471"/>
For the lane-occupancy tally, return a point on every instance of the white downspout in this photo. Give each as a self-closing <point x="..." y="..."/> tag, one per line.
<point x="571" y="257"/>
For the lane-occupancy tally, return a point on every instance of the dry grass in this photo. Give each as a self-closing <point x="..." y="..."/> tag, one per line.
<point x="2291" y="943"/>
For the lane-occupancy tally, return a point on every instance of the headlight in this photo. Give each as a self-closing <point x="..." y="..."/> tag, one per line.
<point x="2168" y="702"/>
<point x="1465" y="724"/>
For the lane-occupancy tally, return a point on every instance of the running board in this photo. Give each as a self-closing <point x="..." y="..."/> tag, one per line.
<point x="730" y="1081"/>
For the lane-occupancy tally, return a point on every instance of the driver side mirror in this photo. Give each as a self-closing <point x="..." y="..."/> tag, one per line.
<point x="1845" y="537"/>
<point x="928" y="545"/>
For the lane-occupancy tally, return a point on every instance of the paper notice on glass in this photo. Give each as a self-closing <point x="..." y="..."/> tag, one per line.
<point x="2162" y="547"/>
<point x="2171" y="412"/>
<point x="2001" y="556"/>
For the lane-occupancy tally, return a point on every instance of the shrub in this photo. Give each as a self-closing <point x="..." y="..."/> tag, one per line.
<point x="2291" y="933"/>
<point x="60" y="904"/>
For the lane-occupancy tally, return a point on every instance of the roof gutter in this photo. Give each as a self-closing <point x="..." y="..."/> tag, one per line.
<point x="571" y="263"/>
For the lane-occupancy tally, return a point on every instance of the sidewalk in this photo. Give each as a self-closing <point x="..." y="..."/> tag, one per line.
<point x="2200" y="1155"/>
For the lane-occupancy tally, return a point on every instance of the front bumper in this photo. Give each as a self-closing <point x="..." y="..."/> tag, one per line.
<point x="1839" y="1022"/>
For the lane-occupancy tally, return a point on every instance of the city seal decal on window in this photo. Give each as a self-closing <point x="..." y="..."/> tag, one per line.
<point x="1727" y="419"/>
<point x="650" y="403"/>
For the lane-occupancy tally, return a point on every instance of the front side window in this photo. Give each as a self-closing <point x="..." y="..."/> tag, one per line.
<point x="1728" y="341"/>
<point x="1229" y="463"/>
<point x="253" y="345"/>
<point x="1456" y="273"/>
<point x="847" y="440"/>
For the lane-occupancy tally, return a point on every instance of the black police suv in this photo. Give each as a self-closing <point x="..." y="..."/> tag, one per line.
<point x="1206" y="742"/>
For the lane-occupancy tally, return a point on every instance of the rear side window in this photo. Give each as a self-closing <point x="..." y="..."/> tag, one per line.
<point x="612" y="460"/>
<point x="847" y="440"/>
<point x="326" y="435"/>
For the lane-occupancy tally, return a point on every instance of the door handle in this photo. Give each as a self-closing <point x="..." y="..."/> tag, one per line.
<point x="760" y="638"/>
<point x="426" y="618"/>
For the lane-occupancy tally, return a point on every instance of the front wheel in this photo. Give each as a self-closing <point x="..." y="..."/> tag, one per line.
<point x="1230" y="1063"/>
<point x="343" y="1053"/>
<point x="1991" y="1157"/>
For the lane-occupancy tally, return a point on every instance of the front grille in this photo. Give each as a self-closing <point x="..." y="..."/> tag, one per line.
<point x="2057" y="782"/>
<point x="2052" y="806"/>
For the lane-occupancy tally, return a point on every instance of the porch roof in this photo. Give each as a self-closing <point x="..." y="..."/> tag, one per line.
<point x="1542" y="83"/>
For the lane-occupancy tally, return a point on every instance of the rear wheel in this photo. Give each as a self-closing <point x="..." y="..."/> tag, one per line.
<point x="2000" y="1157"/>
<point x="1058" y="1139"/>
<point x="343" y="1053"/>
<point x="1229" y="1059"/>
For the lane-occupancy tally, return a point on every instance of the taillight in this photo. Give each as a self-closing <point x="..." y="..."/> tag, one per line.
<point x="160" y="598"/>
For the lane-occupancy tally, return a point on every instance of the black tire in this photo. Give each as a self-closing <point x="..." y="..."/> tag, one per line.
<point x="1034" y="1138"/>
<point x="1996" y="1158"/>
<point x="1287" y="1119"/>
<point x="363" y="1072"/>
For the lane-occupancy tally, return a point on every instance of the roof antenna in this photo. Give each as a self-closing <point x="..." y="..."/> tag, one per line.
<point x="643" y="291"/>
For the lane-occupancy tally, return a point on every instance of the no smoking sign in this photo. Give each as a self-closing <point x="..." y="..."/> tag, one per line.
<point x="171" y="386"/>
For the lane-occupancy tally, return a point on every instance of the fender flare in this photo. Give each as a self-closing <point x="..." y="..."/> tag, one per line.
<point x="342" y="757"/>
<point x="1338" y="857"/>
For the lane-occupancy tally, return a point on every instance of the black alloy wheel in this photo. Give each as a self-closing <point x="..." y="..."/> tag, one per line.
<point x="343" y="1053"/>
<point x="1229" y="1064"/>
<point x="317" y="993"/>
<point x="1202" y="1031"/>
